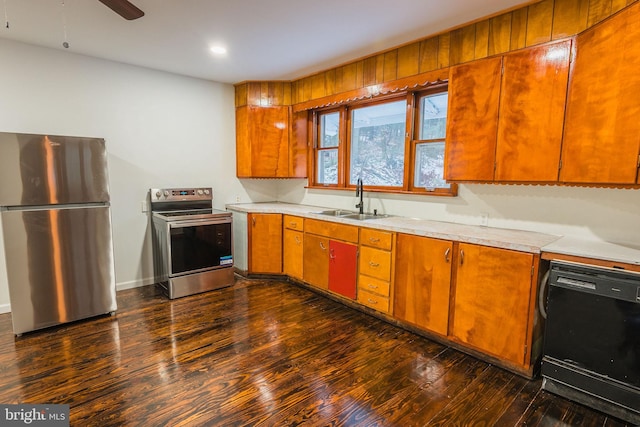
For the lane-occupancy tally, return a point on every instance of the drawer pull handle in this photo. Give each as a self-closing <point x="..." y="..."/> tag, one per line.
<point x="461" y="257"/>
<point x="372" y="286"/>
<point x="298" y="240"/>
<point x="446" y="254"/>
<point x="322" y="246"/>
<point x="293" y="224"/>
<point x="374" y="264"/>
<point x="332" y="254"/>
<point x="373" y="240"/>
<point x="372" y="301"/>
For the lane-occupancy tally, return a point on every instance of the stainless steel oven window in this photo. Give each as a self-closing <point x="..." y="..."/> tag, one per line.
<point x="199" y="245"/>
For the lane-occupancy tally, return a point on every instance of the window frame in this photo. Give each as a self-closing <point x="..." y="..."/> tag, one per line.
<point x="344" y="145"/>
<point x="417" y="97"/>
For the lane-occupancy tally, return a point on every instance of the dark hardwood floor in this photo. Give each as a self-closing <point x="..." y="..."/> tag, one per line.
<point x="263" y="353"/>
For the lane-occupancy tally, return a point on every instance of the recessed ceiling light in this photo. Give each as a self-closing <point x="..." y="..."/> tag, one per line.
<point x="218" y="50"/>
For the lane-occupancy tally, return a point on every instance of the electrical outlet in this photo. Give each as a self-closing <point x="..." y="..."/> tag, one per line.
<point x="237" y="199"/>
<point x="144" y="206"/>
<point x="484" y="219"/>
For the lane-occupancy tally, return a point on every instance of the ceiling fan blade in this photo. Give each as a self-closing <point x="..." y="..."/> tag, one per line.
<point x="124" y="8"/>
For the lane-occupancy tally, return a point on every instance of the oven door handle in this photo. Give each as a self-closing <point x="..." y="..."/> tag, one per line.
<point x="195" y="223"/>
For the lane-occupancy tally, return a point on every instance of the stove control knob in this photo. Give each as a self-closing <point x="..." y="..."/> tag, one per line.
<point x="158" y="194"/>
<point x="199" y="192"/>
<point x="206" y="191"/>
<point x="166" y="193"/>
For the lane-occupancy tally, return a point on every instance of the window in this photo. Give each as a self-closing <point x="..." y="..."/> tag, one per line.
<point x="327" y="148"/>
<point x="378" y="144"/>
<point x="428" y="145"/>
<point x="394" y="144"/>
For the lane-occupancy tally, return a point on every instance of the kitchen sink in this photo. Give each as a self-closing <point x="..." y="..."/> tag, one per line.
<point x="364" y="216"/>
<point x="337" y="212"/>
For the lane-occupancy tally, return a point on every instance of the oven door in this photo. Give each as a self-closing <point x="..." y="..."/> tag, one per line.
<point x="199" y="245"/>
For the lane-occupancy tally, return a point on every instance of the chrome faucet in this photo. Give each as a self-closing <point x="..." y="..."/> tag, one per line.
<point x="359" y="192"/>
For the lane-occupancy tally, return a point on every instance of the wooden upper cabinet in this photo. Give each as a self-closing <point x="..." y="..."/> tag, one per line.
<point x="298" y="144"/>
<point x="532" y="101"/>
<point x="602" y="125"/>
<point x="472" y="120"/>
<point x="262" y="142"/>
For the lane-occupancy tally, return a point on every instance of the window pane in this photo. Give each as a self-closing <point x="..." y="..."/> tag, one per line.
<point x="434" y="116"/>
<point x="377" y="144"/>
<point x="327" y="167"/>
<point x="430" y="166"/>
<point x="329" y="125"/>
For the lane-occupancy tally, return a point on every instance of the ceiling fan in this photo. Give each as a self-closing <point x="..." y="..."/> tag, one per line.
<point x="124" y="8"/>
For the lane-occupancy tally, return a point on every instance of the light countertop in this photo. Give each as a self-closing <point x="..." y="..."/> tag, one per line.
<point x="518" y="240"/>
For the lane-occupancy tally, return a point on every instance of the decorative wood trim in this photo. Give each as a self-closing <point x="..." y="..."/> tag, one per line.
<point x="420" y="81"/>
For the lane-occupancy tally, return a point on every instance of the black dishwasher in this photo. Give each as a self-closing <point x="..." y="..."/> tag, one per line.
<point x="591" y="348"/>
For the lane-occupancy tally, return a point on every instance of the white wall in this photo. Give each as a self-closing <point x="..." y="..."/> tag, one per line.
<point x="160" y="130"/>
<point x="590" y="213"/>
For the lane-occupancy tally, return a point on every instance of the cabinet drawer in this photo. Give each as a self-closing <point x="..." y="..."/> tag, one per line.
<point x="371" y="284"/>
<point x="336" y="231"/>
<point x="293" y="222"/>
<point x="373" y="301"/>
<point x="375" y="263"/>
<point x="376" y="238"/>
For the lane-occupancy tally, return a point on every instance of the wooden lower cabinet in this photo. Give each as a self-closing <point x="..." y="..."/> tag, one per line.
<point x="293" y="250"/>
<point x="423" y="282"/>
<point x="265" y="243"/>
<point x="315" y="267"/>
<point x="492" y="310"/>
<point x="376" y="266"/>
<point x="330" y="256"/>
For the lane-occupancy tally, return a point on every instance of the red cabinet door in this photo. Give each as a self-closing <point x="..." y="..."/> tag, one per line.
<point x="342" y="268"/>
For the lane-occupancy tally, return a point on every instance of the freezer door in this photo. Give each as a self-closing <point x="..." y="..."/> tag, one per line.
<point x="50" y="170"/>
<point x="59" y="265"/>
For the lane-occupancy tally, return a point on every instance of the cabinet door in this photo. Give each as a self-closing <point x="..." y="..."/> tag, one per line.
<point x="315" y="267"/>
<point x="423" y="281"/>
<point x="602" y="125"/>
<point x="472" y="120"/>
<point x="532" y="100"/>
<point x="491" y="308"/>
<point x="298" y="144"/>
<point x="293" y="253"/>
<point x="342" y="268"/>
<point x="265" y="243"/>
<point x="262" y="142"/>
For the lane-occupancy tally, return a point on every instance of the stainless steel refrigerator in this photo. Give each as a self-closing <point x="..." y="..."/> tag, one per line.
<point x="56" y="222"/>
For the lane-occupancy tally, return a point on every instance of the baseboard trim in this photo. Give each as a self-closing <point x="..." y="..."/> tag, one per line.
<point x="5" y="308"/>
<point x="135" y="283"/>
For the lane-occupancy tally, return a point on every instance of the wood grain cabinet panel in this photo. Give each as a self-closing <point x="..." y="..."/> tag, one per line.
<point x="602" y="124"/>
<point x="265" y="243"/>
<point x="375" y="263"/>
<point x="492" y="301"/>
<point x="315" y="267"/>
<point x="293" y="249"/>
<point x="262" y="142"/>
<point x="532" y="101"/>
<point x="423" y="282"/>
<point x="472" y="120"/>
